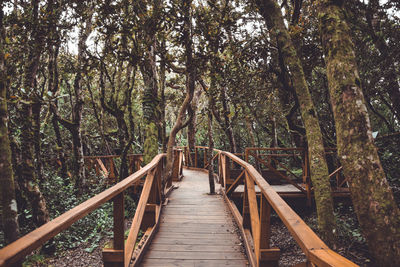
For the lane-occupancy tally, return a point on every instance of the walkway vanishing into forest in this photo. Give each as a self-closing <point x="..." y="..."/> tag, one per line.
<point x="182" y="225"/>
<point x="196" y="229"/>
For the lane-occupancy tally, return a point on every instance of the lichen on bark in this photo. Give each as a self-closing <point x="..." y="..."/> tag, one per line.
<point x="372" y="197"/>
<point x="7" y="191"/>
<point x="272" y="14"/>
<point x="150" y="142"/>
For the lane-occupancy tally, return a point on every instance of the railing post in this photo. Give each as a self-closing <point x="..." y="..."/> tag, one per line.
<point x="195" y="157"/>
<point x="111" y="164"/>
<point x="246" y="208"/>
<point x="113" y="257"/>
<point x="131" y="163"/>
<point x="220" y="174"/>
<point x="307" y="177"/>
<point x="181" y="155"/>
<point x="205" y="157"/>
<point x="268" y="256"/>
<point x="227" y="172"/>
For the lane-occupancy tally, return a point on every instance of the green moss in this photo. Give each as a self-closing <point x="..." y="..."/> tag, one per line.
<point x="150" y="143"/>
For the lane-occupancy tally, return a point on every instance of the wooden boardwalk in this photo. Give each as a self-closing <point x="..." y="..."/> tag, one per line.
<point x="196" y="229"/>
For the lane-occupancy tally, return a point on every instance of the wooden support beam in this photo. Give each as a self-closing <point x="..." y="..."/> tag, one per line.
<point x="236" y="183"/>
<point x="304" y="264"/>
<point x="245" y="211"/>
<point x="208" y="163"/>
<point x="254" y="217"/>
<point x="265" y="218"/>
<point x="112" y="169"/>
<point x="269" y="257"/>
<point x="279" y="174"/>
<point x="113" y="257"/>
<point x="195" y="157"/>
<point x="119" y="216"/>
<point x="149" y="217"/>
<point x="102" y="167"/>
<point x="137" y="220"/>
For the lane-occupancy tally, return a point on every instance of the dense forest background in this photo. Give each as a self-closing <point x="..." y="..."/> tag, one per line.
<point x="83" y="78"/>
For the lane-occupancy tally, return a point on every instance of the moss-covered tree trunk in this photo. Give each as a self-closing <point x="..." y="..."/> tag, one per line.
<point x="112" y="107"/>
<point x="272" y="14"/>
<point x="223" y="119"/>
<point x="36" y="109"/>
<point x="7" y="189"/>
<point x="190" y="82"/>
<point x="191" y="131"/>
<point x="228" y="122"/>
<point x="377" y="212"/>
<point x="210" y="153"/>
<point x="29" y="180"/>
<point x="163" y="63"/>
<point x="150" y="104"/>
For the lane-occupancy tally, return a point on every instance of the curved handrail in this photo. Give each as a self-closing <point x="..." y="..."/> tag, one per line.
<point x="316" y="251"/>
<point x="17" y="250"/>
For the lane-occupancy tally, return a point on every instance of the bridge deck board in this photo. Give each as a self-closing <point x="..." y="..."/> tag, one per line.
<point x="196" y="229"/>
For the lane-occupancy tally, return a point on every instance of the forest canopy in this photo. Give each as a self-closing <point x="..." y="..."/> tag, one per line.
<point x="92" y="78"/>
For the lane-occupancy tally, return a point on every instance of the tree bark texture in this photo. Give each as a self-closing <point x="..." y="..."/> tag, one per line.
<point x="190" y="83"/>
<point x="150" y="104"/>
<point x="191" y="131"/>
<point x="7" y="190"/>
<point x="271" y="12"/>
<point x="210" y="153"/>
<point x="29" y="178"/>
<point x="372" y="197"/>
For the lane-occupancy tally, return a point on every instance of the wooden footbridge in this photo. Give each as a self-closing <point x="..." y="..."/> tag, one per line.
<point x="178" y="224"/>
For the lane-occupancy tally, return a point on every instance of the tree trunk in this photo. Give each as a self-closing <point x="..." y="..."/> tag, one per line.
<point x="190" y="84"/>
<point x="149" y="104"/>
<point x="36" y="108"/>
<point x="163" y="135"/>
<point x="79" y="163"/>
<point x="377" y="212"/>
<point x="60" y="149"/>
<point x="210" y="153"/>
<point x="228" y="122"/>
<point x="7" y="191"/>
<point x="271" y="12"/>
<point x="29" y="181"/>
<point x="390" y="76"/>
<point x="191" y="131"/>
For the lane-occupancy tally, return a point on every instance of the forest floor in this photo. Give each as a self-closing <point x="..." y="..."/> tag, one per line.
<point x="350" y="243"/>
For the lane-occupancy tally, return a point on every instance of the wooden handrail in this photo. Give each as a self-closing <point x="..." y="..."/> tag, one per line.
<point x="17" y="250"/>
<point x="111" y="156"/>
<point x="254" y="220"/>
<point x="313" y="247"/>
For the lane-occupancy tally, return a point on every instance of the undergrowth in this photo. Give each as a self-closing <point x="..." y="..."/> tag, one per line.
<point x="88" y="232"/>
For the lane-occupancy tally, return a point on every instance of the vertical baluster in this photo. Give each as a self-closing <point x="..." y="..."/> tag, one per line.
<point x="118" y="206"/>
<point x="114" y="257"/>
<point x="195" y="157"/>
<point x="205" y="157"/>
<point x="246" y="209"/>
<point x="228" y="181"/>
<point x="268" y="256"/>
<point x="111" y="165"/>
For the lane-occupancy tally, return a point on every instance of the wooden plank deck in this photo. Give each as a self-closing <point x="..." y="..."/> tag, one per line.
<point x="196" y="229"/>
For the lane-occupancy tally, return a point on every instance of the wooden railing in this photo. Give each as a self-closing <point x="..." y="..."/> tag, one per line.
<point x="273" y="159"/>
<point x="254" y="218"/>
<point x="146" y="218"/>
<point x="105" y="165"/>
